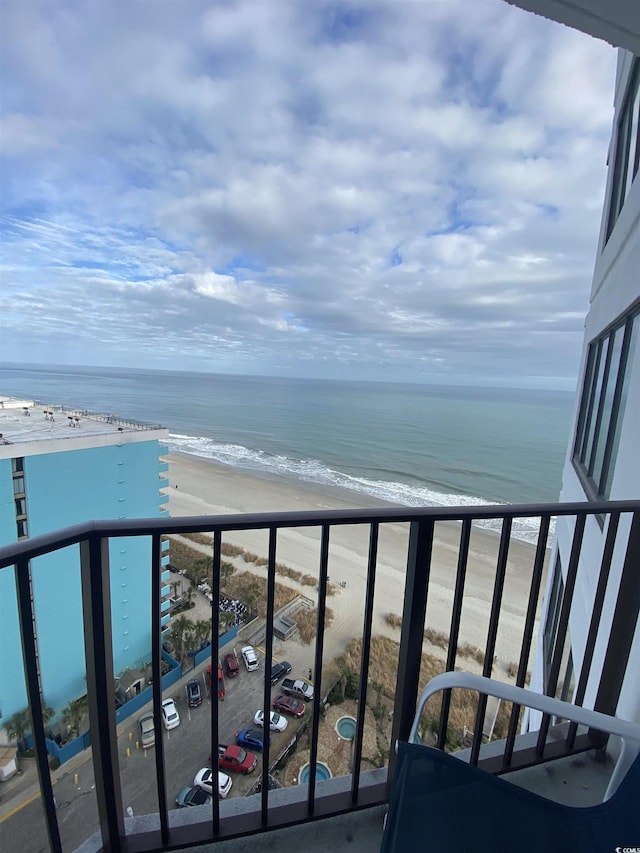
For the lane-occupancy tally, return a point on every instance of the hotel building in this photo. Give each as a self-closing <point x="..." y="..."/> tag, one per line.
<point x="59" y="468"/>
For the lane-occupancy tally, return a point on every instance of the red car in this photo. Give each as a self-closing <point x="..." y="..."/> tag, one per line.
<point x="231" y="664"/>
<point x="236" y="758"/>
<point x="289" y="705"/>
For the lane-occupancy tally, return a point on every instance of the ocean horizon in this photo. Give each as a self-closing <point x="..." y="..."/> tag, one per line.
<point x="407" y="444"/>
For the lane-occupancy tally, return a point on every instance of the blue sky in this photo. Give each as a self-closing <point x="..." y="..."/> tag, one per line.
<point x="382" y="190"/>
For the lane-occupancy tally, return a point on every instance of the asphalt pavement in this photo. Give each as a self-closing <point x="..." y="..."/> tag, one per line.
<point x="187" y="750"/>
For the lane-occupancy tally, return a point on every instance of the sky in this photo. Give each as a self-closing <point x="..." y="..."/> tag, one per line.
<point x="367" y="190"/>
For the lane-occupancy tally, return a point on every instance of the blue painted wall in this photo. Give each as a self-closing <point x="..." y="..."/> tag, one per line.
<point x="65" y="488"/>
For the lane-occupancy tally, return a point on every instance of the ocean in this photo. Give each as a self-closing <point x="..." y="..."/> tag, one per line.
<point x="408" y="444"/>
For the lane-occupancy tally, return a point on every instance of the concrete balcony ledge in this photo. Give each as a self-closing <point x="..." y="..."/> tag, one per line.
<point x="327" y="829"/>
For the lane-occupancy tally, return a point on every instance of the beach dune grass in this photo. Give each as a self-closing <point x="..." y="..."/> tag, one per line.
<point x="252" y="590"/>
<point x="383" y="662"/>
<point x="306" y="621"/>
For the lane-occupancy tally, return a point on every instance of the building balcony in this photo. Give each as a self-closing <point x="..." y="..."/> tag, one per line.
<point x="353" y="802"/>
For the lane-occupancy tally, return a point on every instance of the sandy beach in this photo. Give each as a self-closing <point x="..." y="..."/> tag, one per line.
<point x="199" y="487"/>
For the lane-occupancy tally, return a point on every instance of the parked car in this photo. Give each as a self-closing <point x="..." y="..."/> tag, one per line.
<point x="170" y="714"/>
<point x="253" y="738"/>
<point x="147" y="731"/>
<point x="231" y="664"/>
<point x="299" y="688"/>
<point x="204" y="780"/>
<point x="250" y="658"/>
<point x="289" y="705"/>
<point x="277" y="722"/>
<point x="236" y="758"/>
<point x="192" y="797"/>
<point x="194" y="693"/>
<point x="279" y="670"/>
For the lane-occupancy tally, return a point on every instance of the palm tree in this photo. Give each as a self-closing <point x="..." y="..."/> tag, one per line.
<point x="73" y="713"/>
<point x="227" y="618"/>
<point x="226" y="570"/>
<point x="18" y="726"/>
<point x="178" y="634"/>
<point x="200" y="569"/>
<point x="201" y="631"/>
<point x="252" y="594"/>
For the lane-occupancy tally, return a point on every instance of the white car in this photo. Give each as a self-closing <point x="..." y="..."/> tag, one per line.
<point x="170" y="715"/>
<point x="204" y="780"/>
<point x="277" y="723"/>
<point x="250" y="658"/>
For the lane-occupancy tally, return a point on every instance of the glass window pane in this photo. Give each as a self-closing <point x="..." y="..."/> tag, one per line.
<point x="620" y="170"/>
<point x="600" y="440"/>
<point x="595" y="402"/>
<point x="605" y="488"/>
<point x="587" y="393"/>
<point x="632" y="166"/>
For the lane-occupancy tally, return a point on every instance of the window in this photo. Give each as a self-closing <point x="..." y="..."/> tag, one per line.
<point x="17" y="466"/>
<point x="21" y="507"/>
<point x="23" y="531"/>
<point x="604" y="398"/>
<point x="18" y="485"/>
<point x="627" y="154"/>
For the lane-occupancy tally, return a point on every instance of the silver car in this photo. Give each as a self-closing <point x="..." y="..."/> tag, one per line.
<point x="147" y="731"/>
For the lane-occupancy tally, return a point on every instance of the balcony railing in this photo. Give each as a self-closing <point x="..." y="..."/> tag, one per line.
<point x="622" y="532"/>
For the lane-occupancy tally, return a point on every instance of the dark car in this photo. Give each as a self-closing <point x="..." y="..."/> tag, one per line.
<point x="194" y="693"/>
<point x="231" y="664"/>
<point x="192" y="797"/>
<point x="279" y="670"/>
<point x="289" y="705"/>
<point x="253" y="738"/>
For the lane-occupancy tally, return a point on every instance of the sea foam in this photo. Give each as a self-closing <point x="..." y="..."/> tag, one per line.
<point x="314" y="471"/>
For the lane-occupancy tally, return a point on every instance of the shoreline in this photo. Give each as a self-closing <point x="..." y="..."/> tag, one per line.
<point x="208" y="488"/>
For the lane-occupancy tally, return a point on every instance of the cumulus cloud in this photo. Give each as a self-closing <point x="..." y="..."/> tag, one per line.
<point x="375" y="189"/>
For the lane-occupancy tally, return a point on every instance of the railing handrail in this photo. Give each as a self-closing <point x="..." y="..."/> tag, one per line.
<point x="46" y="542"/>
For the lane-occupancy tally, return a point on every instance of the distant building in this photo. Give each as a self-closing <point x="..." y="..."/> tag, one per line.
<point x="59" y="468"/>
<point x="603" y="456"/>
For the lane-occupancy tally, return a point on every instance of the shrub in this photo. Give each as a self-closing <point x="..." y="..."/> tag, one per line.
<point x="306" y="621"/>
<point x="200" y="538"/>
<point x="436" y="638"/>
<point x="394" y="620"/>
<point x="230" y="550"/>
<point x="336" y="695"/>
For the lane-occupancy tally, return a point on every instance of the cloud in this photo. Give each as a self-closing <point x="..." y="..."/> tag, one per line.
<point x="384" y="189"/>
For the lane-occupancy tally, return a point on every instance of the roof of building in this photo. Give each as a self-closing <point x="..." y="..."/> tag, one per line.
<point x="27" y="420"/>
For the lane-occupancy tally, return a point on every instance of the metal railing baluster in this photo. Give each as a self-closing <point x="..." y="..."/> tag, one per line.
<point x="364" y="663"/>
<point x="317" y="682"/>
<point x="454" y="633"/>
<point x="32" y="678"/>
<point x="563" y="624"/>
<point x="96" y="604"/>
<point x="490" y="647"/>
<point x="156" y="671"/>
<point x="527" y="634"/>
<point x="271" y="597"/>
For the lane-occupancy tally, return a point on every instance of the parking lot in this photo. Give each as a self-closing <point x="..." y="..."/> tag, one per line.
<point x="187" y="750"/>
<point x="187" y="747"/>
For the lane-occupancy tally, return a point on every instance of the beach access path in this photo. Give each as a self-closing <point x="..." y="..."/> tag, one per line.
<point x="200" y="487"/>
